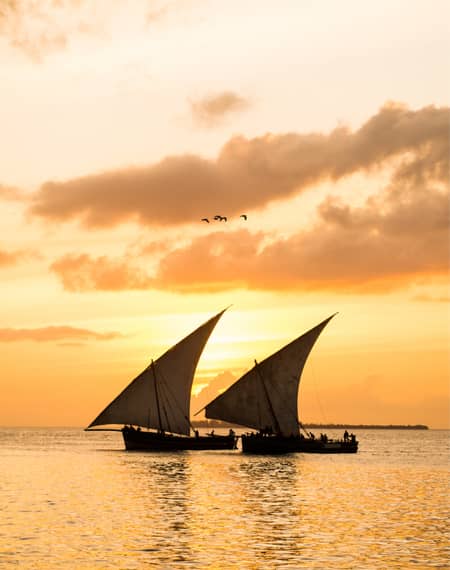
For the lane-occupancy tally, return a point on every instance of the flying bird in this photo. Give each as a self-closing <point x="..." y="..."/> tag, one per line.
<point x="223" y="219"/>
<point x="217" y="217"/>
<point x="243" y="216"/>
<point x="205" y="220"/>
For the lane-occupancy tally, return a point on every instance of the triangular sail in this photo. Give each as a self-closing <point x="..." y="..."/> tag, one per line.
<point x="159" y="397"/>
<point x="266" y="396"/>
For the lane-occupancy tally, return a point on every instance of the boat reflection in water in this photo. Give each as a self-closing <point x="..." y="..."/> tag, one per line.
<point x="265" y="399"/>
<point x="159" y="399"/>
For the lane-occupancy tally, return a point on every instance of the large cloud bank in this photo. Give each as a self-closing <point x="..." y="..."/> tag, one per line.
<point x="250" y="173"/>
<point x="399" y="234"/>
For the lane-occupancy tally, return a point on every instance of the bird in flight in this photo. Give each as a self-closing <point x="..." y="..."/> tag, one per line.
<point x="243" y="216"/>
<point x="205" y="220"/>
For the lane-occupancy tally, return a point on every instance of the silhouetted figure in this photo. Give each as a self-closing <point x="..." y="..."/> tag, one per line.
<point x="243" y="216"/>
<point x="196" y="433"/>
<point x="345" y="435"/>
<point x="205" y="220"/>
<point x="353" y="437"/>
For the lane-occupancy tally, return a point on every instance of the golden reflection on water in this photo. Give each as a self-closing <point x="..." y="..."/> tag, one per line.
<point x="69" y="500"/>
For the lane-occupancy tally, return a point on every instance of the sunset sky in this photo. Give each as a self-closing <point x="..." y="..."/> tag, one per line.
<point x="123" y="124"/>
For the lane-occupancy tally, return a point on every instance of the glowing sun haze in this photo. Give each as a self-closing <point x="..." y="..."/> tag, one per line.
<point x="124" y="124"/>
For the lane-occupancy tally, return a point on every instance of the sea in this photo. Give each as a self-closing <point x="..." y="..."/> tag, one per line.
<point x="71" y="499"/>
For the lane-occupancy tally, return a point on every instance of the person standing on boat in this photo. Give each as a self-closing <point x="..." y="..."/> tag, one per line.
<point x="345" y="435"/>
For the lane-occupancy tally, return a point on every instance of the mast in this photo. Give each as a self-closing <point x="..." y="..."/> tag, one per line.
<point x="157" y="396"/>
<point x="269" y="401"/>
<point x="147" y="402"/>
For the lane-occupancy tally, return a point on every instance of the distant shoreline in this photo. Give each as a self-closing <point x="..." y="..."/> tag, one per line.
<point x="218" y="424"/>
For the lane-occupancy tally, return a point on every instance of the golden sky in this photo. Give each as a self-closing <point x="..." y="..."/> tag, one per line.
<point x="123" y="124"/>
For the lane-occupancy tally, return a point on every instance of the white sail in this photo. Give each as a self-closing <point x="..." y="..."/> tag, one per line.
<point x="266" y="396"/>
<point x="159" y="397"/>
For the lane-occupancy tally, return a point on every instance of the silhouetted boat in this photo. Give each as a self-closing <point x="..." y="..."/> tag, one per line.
<point x="265" y="399"/>
<point x="159" y="399"/>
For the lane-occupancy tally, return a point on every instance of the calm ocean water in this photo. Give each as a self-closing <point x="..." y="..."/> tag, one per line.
<point x="71" y="499"/>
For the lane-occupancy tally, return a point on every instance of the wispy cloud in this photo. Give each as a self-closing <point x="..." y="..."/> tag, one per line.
<point x="158" y="10"/>
<point x="81" y="273"/>
<point x="39" y="28"/>
<point x="11" y="193"/>
<point x="432" y="298"/>
<point x="54" y="333"/>
<point x="10" y="258"/>
<point x="250" y="173"/>
<point x="214" y="109"/>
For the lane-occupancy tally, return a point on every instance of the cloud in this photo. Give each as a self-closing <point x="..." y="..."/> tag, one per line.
<point x="9" y="258"/>
<point x="398" y="236"/>
<point x="161" y="9"/>
<point x="211" y="390"/>
<point x="54" y="333"/>
<point x="382" y="245"/>
<point x="213" y="109"/>
<point x="155" y="247"/>
<point x="41" y="27"/>
<point x="81" y="273"/>
<point x="218" y="261"/>
<point x="432" y="298"/>
<point x="385" y="244"/>
<point x="250" y="173"/>
<point x="38" y="28"/>
<point x="33" y="27"/>
<point x="11" y="193"/>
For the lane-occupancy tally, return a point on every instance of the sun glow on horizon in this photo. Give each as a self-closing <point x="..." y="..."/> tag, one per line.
<point x="125" y="127"/>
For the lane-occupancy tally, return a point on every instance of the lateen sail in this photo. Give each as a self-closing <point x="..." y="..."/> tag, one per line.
<point x="266" y="396"/>
<point x="159" y="397"/>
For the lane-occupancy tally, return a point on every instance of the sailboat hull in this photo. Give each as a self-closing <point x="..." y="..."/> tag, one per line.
<point x="272" y="444"/>
<point x="136" y="440"/>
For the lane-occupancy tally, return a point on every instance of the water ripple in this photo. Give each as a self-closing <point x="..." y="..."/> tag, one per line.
<point x="71" y="500"/>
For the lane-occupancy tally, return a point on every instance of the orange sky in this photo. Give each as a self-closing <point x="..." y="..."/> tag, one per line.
<point x="123" y="126"/>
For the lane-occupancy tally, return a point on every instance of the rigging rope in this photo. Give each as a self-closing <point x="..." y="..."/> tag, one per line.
<point x="324" y="419"/>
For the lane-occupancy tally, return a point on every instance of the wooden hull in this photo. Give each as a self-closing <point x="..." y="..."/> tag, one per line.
<point x="272" y="444"/>
<point x="136" y="440"/>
